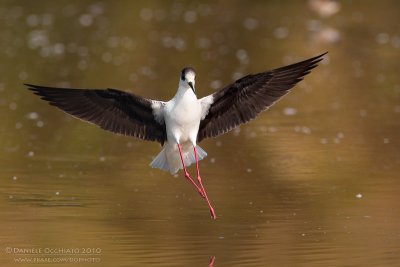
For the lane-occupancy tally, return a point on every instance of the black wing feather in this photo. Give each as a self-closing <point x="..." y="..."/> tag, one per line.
<point x="243" y="100"/>
<point x="110" y="109"/>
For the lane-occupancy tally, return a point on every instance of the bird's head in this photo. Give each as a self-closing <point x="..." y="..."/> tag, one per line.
<point x="188" y="78"/>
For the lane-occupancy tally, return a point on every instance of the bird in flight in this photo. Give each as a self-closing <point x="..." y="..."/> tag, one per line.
<point x="182" y="122"/>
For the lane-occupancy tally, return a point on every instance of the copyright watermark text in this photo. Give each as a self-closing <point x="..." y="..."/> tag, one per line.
<point x="51" y="255"/>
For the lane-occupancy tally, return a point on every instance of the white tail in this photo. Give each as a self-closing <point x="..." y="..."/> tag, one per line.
<point x="169" y="160"/>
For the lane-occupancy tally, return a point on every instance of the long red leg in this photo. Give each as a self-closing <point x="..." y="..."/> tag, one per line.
<point x="187" y="176"/>
<point x="201" y="184"/>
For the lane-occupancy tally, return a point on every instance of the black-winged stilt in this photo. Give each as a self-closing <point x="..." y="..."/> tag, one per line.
<point x="185" y="120"/>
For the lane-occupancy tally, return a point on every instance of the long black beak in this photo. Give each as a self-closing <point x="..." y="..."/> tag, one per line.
<point x="192" y="86"/>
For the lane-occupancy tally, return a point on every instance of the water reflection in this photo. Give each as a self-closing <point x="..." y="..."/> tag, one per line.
<point x="287" y="186"/>
<point x="212" y="260"/>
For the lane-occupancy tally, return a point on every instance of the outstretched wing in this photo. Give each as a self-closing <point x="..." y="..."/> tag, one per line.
<point x="243" y="100"/>
<point x="110" y="109"/>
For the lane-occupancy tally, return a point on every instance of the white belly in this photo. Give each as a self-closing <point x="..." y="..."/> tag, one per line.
<point x="182" y="119"/>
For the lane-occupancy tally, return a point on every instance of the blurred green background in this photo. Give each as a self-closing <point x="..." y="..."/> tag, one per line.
<point x="314" y="181"/>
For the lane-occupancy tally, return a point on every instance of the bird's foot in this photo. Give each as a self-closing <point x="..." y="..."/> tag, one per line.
<point x="213" y="213"/>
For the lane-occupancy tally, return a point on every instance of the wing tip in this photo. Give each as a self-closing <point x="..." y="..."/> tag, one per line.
<point x="29" y="86"/>
<point x="318" y="58"/>
<point x="34" y="88"/>
<point x="312" y="63"/>
<point x="322" y="54"/>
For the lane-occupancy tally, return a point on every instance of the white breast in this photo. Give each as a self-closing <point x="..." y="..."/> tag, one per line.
<point x="182" y="117"/>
